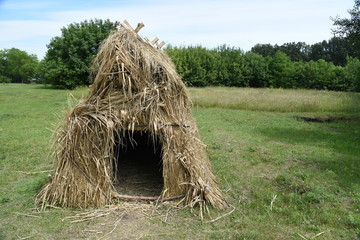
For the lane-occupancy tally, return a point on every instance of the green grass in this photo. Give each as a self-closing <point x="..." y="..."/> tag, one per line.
<point x="279" y="100"/>
<point x="287" y="179"/>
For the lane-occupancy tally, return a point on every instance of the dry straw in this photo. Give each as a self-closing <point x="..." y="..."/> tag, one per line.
<point x="136" y="88"/>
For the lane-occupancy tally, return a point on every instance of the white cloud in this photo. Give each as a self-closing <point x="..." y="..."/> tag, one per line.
<point x="20" y="30"/>
<point x="238" y="23"/>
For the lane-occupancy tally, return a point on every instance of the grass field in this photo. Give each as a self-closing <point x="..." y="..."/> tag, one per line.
<point x="286" y="178"/>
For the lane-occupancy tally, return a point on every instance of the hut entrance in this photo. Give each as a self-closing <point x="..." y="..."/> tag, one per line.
<point x="139" y="164"/>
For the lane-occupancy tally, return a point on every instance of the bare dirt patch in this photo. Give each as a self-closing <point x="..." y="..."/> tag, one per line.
<point x="325" y="119"/>
<point x="124" y="221"/>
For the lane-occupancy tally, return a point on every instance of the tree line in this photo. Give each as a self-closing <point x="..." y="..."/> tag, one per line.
<point x="332" y="64"/>
<point x="17" y="66"/>
<point x="228" y="66"/>
<point x="264" y="66"/>
<point x="335" y="50"/>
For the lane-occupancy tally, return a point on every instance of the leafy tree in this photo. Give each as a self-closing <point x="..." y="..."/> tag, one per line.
<point x="67" y="61"/>
<point x="339" y="49"/>
<point x="322" y="75"/>
<point x="338" y="81"/>
<point x="231" y="67"/>
<point x="281" y="69"/>
<point x="350" y="27"/>
<point x="17" y="66"/>
<point x="257" y="70"/>
<point x="319" y="75"/>
<point x="301" y="74"/>
<point x="320" y="51"/>
<point x="265" y="50"/>
<point x="3" y="68"/>
<point x="336" y="50"/>
<point x="352" y="71"/>
<point x="296" y="51"/>
<point x="195" y="64"/>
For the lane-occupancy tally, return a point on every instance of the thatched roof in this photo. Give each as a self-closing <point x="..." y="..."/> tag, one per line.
<point x="136" y="88"/>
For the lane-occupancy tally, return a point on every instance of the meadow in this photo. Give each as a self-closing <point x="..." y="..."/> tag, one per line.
<point x="285" y="178"/>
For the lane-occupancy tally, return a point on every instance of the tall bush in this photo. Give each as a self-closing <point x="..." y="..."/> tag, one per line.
<point x="17" y="66"/>
<point x="281" y="69"/>
<point x="69" y="56"/>
<point x="352" y="73"/>
<point x="257" y="70"/>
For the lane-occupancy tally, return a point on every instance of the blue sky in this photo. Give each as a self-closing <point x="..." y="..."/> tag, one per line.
<point x="30" y="25"/>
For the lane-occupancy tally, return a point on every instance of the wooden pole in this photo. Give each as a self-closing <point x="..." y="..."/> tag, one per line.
<point x="161" y="45"/>
<point x="127" y="25"/>
<point x="139" y="26"/>
<point x="144" y="198"/>
<point x="154" y="41"/>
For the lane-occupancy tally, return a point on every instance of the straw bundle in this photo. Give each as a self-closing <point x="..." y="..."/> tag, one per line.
<point x="136" y="88"/>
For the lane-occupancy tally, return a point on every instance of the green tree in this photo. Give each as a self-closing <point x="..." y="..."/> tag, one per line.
<point x="320" y="51"/>
<point x="301" y="75"/>
<point x="257" y="70"/>
<point x="231" y="67"/>
<point x="339" y="82"/>
<point x="265" y="50"/>
<point x="296" y="51"/>
<point x="68" y="59"/>
<point x="350" y="27"/>
<point x="319" y="75"/>
<point x="339" y="49"/>
<point x="336" y="50"/>
<point x="195" y="64"/>
<point x="281" y="69"/>
<point x="17" y="66"/>
<point x="323" y="75"/>
<point x="352" y="71"/>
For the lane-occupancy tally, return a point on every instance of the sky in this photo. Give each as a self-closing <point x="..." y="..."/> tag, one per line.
<point x="29" y="25"/>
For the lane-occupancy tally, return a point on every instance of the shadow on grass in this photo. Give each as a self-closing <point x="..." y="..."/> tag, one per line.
<point x="49" y="87"/>
<point x="2" y="236"/>
<point x="333" y="147"/>
<point x="341" y="136"/>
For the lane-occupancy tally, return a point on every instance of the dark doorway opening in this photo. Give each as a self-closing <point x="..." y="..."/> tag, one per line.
<point x="139" y="164"/>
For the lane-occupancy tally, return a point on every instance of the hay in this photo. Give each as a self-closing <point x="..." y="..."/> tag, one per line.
<point x="136" y="88"/>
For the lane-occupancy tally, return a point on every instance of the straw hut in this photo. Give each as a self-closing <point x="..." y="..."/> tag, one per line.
<point x="133" y="136"/>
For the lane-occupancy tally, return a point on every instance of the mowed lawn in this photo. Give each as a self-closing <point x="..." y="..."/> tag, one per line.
<point x="284" y="177"/>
